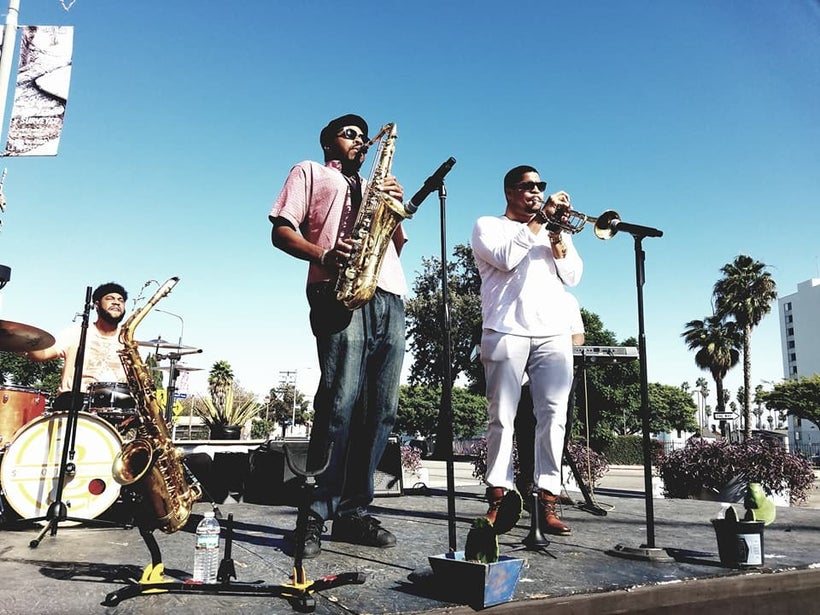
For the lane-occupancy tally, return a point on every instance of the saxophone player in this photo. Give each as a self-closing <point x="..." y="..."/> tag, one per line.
<point x="360" y="351"/>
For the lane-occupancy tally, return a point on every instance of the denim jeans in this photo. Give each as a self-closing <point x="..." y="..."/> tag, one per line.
<point x="360" y="358"/>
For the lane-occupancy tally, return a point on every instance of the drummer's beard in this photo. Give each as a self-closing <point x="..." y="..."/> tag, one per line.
<point x="110" y="318"/>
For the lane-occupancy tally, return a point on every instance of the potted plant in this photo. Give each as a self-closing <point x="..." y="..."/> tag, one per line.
<point x="225" y="417"/>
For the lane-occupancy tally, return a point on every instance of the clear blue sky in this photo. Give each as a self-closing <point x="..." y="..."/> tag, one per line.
<point x="699" y="118"/>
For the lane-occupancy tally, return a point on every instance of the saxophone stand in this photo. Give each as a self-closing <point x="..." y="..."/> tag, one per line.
<point x="58" y="509"/>
<point x="299" y="593"/>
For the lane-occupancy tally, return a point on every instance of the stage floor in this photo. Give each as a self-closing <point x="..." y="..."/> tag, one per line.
<point x="74" y="570"/>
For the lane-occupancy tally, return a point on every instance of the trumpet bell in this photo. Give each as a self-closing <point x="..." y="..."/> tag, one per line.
<point x="604" y="227"/>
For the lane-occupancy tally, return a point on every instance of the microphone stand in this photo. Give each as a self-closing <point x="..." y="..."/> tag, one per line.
<point x="444" y="438"/>
<point x="58" y="509"/>
<point x="647" y="551"/>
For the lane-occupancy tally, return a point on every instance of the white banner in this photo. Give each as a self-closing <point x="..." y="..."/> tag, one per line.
<point x="43" y="78"/>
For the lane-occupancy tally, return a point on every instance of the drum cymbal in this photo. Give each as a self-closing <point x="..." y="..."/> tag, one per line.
<point x="17" y="337"/>
<point x="164" y="344"/>
<point x="181" y="368"/>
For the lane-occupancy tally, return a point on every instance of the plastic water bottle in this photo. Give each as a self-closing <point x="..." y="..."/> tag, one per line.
<point x="206" y="554"/>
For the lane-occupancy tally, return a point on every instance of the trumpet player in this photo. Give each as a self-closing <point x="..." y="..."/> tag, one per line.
<point x="525" y="260"/>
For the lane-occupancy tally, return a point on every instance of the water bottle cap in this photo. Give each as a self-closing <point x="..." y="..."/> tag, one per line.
<point x="208" y="514"/>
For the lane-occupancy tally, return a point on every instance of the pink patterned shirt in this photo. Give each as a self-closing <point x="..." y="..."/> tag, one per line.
<point x="316" y="200"/>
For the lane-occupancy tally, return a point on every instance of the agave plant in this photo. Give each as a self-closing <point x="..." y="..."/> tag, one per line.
<point x="230" y="411"/>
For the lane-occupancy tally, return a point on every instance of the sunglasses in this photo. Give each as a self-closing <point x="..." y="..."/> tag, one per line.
<point x="528" y="186"/>
<point x="350" y="135"/>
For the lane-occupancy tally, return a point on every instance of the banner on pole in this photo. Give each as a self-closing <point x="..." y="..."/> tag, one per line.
<point x="43" y="78"/>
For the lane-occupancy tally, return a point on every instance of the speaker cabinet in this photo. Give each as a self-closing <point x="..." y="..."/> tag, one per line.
<point x="270" y="480"/>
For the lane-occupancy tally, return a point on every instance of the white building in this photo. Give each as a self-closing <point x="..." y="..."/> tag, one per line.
<point x="800" y="341"/>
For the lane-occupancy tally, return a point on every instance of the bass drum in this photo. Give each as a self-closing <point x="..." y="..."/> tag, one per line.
<point x="30" y="468"/>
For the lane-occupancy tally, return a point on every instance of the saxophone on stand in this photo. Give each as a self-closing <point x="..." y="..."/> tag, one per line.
<point x="379" y="216"/>
<point x="151" y="460"/>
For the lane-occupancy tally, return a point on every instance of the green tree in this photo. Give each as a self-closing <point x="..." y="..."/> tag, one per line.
<point x="716" y="343"/>
<point x="671" y="409"/>
<point x="799" y="397"/>
<point x="20" y="371"/>
<point x="281" y="403"/>
<point x="220" y="379"/>
<point x="419" y="411"/>
<point x="745" y="292"/>
<point x="424" y="326"/>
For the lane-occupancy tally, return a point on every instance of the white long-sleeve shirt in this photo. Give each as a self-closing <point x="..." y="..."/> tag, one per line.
<point x="522" y="284"/>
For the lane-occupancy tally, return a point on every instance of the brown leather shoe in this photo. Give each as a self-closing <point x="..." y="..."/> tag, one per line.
<point x="550" y="522"/>
<point x="494" y="497"/>
<point x="504" y="510"/>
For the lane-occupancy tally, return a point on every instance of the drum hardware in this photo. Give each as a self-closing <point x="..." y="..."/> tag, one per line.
<point x="181" y="368"/>
<point x="17" y="337"/>
<point x="58" y="508"/>
<point x="172" y="374"/>
<point x="165" y="344"/>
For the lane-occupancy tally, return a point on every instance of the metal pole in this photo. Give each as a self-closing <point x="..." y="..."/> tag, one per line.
<point x="7" y="55"/>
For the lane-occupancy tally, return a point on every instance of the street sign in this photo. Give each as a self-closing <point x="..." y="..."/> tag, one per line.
<point x="724" y="416"/>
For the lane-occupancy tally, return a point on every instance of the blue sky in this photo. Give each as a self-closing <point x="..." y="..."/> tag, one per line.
<point x="699" y="118"/>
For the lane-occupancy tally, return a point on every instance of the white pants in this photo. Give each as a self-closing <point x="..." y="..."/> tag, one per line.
<point x="548" y="362"/>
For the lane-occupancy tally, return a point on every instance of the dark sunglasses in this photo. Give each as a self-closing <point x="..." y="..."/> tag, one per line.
<point x="350" y="135"/>
<point x="528" y="186"/>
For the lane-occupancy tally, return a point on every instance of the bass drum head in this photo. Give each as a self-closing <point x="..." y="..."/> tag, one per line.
<point x="30" y="468"/>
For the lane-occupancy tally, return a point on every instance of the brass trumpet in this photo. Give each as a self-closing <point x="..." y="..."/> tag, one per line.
<point x="604" y="227"/>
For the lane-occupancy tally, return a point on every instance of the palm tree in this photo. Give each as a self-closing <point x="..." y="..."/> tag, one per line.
<point x="703" y="388"/>
<point x="758" y="411"/>
<point x="220" y="379"/>
<point x="717" y="345"/>
<point x="745" y="292"/>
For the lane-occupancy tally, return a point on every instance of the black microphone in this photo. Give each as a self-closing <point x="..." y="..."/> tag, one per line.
<point x="613" y="223"/>
<point x="432" y="183"/>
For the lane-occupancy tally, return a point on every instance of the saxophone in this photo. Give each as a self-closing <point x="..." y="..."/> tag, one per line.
<point x="151" y="458"/>
<point x="379" y="215"/>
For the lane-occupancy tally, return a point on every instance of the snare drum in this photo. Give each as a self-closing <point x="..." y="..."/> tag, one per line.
<point x="30" y="469"/>
<point x="113" y="402"/>
<point x="18" y="406"/>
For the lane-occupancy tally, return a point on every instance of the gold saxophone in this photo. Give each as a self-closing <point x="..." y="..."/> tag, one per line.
<point x="151" y="456"/>
<point x="379" y="216"/>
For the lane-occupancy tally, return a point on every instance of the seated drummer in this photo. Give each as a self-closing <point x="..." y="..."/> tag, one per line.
<point x="101" y="361"/>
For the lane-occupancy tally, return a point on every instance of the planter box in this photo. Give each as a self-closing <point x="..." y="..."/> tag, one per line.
<point x="475" y="584"/>
<point x="740" y="543"/>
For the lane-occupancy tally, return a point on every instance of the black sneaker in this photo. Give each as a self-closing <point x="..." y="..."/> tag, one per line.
<point x="313" y="539"/>
<point x="362" y="530"/>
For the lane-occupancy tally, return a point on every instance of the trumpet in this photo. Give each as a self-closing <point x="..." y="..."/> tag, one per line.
<point x="606" y="225"/>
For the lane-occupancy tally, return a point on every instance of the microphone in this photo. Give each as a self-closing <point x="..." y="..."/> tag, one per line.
<point x="432" y="183"/>
<point x="614" y="224"/>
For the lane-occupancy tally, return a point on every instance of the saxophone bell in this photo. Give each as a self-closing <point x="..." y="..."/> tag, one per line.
<point x="133" y="461"/>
